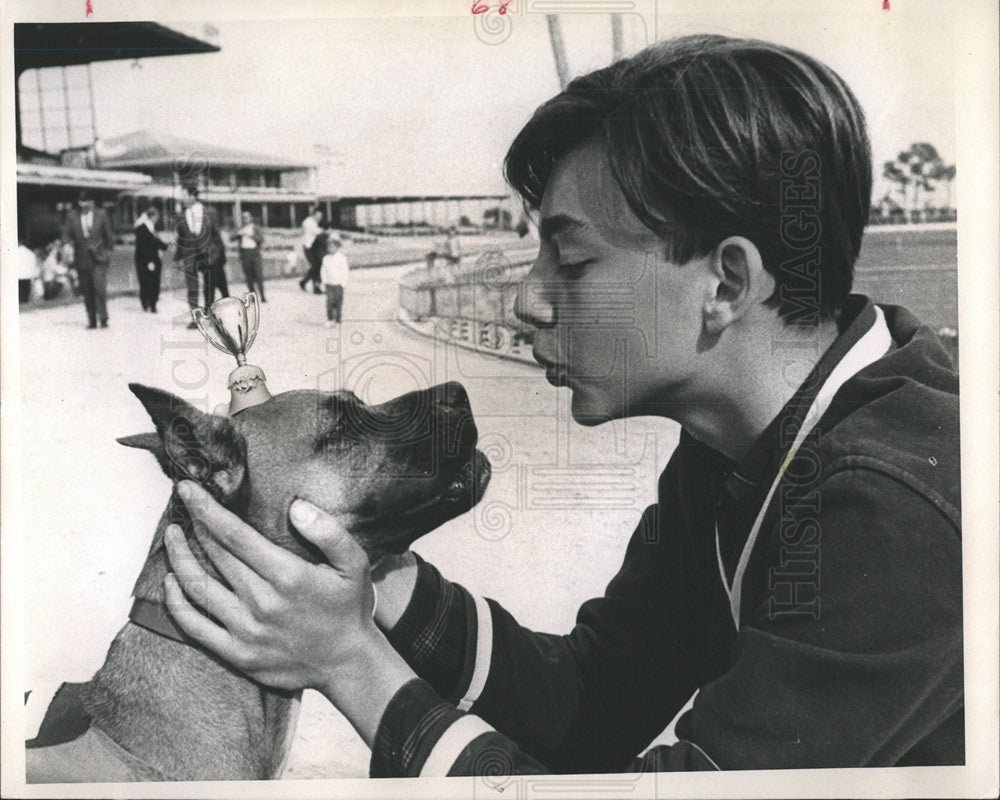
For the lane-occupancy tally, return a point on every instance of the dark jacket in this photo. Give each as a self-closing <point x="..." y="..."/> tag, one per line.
<point x="849" y="651"/>
<point x="202" y="250"/>
<point x="147" y="247"/>
<point x="91" y="250"/>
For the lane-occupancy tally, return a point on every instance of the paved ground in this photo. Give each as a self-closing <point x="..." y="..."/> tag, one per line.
<point x="549" y="533"/>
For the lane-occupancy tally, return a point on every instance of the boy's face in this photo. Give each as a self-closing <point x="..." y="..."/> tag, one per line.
<point x="617" y="322"/>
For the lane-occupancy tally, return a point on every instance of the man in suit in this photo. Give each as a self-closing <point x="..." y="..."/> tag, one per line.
<point x="148" y="265"/>
<point x="89" y="231"/>
<point x="200" y="250"/>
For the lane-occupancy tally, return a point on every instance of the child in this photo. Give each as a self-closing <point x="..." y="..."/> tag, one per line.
<point x="333" y="274"/>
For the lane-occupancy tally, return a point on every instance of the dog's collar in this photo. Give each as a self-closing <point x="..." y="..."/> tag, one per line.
<point x="153" y="616"/>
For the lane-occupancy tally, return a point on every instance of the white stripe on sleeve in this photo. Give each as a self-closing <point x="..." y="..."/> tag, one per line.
<point x="451" y="744"/>
<point x="484" y="654"/>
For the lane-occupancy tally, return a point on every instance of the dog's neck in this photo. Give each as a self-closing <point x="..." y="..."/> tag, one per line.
<point x="177" y="707"/>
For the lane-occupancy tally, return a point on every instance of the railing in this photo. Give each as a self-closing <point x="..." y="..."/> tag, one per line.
<point x="471" y="307"/>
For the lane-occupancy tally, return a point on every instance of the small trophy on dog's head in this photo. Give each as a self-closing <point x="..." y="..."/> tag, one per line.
<point x="231" y="325"/>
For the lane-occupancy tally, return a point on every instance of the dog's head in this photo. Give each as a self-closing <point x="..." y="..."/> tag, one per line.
<point x="390" y="472"/>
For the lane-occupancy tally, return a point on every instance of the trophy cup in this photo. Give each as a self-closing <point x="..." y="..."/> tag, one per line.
<point x="231" y="325"/>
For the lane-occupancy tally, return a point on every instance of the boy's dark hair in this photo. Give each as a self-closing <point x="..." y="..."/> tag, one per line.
<point x="710" y="137"/>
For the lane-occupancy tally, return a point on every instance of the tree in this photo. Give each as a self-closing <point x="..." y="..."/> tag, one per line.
<point x="893" y="172"/>
<point x="923" y="160"/>
<point x="921" y="167"/>
<point x="945" y="172"/>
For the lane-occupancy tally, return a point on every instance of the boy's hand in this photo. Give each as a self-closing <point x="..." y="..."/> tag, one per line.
<point x="285" y="622"/>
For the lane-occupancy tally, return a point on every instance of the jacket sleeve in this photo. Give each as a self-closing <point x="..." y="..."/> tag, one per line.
<point x="588" y="701"/>
<point x="106" y="234"/>
<point x="850" y="655"/>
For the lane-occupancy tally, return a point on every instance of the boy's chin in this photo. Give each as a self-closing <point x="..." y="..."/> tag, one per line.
<point x="588" y="411"/>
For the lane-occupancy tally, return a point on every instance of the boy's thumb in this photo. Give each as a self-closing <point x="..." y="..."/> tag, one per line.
<point x="339" y="547"/>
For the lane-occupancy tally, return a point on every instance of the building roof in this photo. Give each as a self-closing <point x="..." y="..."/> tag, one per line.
<point x="145" y="149"/>
<point x="213" y="194"/>
<point x="366" y="199"/>
<point x="49" y="175"/>
<point x="62" y="44"/>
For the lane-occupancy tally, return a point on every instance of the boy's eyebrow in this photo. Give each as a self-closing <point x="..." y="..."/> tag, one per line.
<point x="557" y="223"/>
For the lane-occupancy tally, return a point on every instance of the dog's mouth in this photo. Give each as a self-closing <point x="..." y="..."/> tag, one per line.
<point x="393" y="530"/>
<point x="465" y="488"/>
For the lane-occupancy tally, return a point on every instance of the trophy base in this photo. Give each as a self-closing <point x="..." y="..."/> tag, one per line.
<point x="247" y="387"/>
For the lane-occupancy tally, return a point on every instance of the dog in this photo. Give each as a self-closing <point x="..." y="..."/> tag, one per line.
<point x="161" y="707"/>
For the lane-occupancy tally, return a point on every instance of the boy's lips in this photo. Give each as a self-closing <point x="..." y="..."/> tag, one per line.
<point x="555" y="373"/>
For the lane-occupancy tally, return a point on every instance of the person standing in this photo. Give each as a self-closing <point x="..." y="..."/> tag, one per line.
<point x="200" y="250"/>
<point x="311" y="228"/>
<point x="453" y="248"/>
<point x="89" y="231"/>
<point x="334" y="273"/>
<point x="148" y="265"/>
<point x="27" y="271"/>
<point x="251" y="246"/>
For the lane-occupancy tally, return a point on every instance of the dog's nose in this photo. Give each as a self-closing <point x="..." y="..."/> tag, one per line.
<point x="453" y="395"/>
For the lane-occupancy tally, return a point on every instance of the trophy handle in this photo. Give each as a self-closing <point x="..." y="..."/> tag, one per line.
<point x="252" y="304"/>
<point x="204" y="322"/>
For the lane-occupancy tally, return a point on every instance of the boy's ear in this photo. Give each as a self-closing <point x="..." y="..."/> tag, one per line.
<point x="739" y="277"/>
<point x="189" y="444"/>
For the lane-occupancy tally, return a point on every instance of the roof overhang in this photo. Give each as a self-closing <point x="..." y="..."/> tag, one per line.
<point x="47" y="175"/>
<point x="62" y="44"/>
<point x="206" y="158"/>
<point x="407" y="198"/>
<point x="214" y="196"/>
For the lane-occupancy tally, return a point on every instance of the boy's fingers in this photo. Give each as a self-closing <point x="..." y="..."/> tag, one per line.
<point x="341" y="550"/>
<point x="198" y="585"/>
<point x="195" y="624"/>
<point x="265" y="558"/>
<point x="244" y="580"/>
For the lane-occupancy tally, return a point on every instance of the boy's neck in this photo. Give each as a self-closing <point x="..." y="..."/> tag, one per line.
<point x="759" y="382"/>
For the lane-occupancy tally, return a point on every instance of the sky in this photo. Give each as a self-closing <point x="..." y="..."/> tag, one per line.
<point x="428" y="103"/>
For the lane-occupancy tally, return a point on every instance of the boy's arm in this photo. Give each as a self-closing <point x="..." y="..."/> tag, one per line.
<point x="862" y="668"/>
<point x="584" y="702"/>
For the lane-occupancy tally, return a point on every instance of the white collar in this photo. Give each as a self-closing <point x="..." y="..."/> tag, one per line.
<point x="874" y="344"/>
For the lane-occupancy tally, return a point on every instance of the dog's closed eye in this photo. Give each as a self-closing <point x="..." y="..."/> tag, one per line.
<point x="332" y="436"/>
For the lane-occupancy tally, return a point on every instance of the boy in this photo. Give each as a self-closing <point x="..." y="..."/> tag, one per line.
<point x="334" y="272"/>
<point x="801" y="570"/>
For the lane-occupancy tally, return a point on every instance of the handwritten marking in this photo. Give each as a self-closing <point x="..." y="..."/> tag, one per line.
<point x="482" y="8"/>
<point x="90" y="8"/>
<point x="885" y="5"/>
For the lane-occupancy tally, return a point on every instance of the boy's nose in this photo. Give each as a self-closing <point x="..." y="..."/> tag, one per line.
<point x="533" y="305"/>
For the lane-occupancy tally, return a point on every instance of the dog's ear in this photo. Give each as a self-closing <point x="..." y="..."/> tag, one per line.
<point x="190" y="444"/>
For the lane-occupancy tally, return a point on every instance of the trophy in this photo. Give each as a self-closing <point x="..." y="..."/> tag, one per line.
<point x="231" y="325"/>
